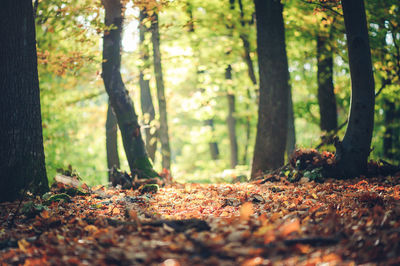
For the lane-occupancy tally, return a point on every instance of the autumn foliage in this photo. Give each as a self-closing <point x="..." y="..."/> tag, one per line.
<point x="338" y="222"/>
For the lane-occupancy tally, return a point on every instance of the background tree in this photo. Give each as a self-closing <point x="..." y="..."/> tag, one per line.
<point x="326" y="94"/>
<point x="274" y="87"/>
<point x="146" y="99"/>
<point x="121" y="102"/>
<point x="112" y="141"/>
<point x="22" y="162"/>
<point x="353" y="152"/>
<point x="231" y="120"/>
<point x="162" y="102"/>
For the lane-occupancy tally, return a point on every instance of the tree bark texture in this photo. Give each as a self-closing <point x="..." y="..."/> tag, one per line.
<point x="352" y="153"/>
<point x="326" y="95"/>
<point x="272" y="125"/>
<point x="145" y="93"/>
<point x="22" y="162"/>
<point x="122" y="104"/>
<point x="231" y="121"/>
<point x="162" y="103"/>
<point x="112" y="141"/>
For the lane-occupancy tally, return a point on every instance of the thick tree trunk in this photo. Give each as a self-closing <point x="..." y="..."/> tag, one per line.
<point x="112" y="141"/>
<point x="272" y="125"/>
<point x="326" y="95"/>
<point x="122" y="104"/>
<point x="352" y="153"/>
<point x="390" y="116"/>
<point x="162" y="103"/>
<point x="145" y="94"/>
<point x="214" y="151"/>
<point x="231" y="121"/>
<point x="22" y="163"/>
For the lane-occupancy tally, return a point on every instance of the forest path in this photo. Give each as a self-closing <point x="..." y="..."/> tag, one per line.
<point x="340" y="222"/>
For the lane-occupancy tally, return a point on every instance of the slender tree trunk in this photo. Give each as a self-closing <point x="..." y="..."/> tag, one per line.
<point x="112" y="141"/>
<point x="251" y="73"/>
<point x="247" y="129"/>
<point x="252" y="76"/>
<point x="145" y="94"/>
<point x="326" y="95"/>
<point x="272" y="125"/>
<point x="352" y="153"/>
<point x="231" y="121"/>
<point x="162" y="103"/>
<point x="22" y="162"/>
<point x="291" y="134"/>
<point x="122" y="104"/>
<point x="214" y="151"/>
<point x="389" y="119"/>
<point x="212" y="144"/>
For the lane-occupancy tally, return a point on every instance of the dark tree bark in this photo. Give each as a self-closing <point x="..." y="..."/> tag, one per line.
<point x="231" y="121"/>
<point x="145" y="94"/>
<point x="22" y="163"/>
<point x="352" y="153"/>
<point x="112" y="141"/>
<point x="272" y="125"/>
<point x="162" y="103"/>
<point x="122" y="104"/>
<point x="326" y="95"/>
<point x="214" y="151"/>
<point x="390" y="116"/>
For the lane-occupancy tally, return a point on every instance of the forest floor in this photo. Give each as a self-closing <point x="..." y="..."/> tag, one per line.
<point x="338" y="222"/>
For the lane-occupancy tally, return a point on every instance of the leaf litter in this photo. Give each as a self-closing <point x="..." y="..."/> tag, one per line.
<point x="338" y="222"/>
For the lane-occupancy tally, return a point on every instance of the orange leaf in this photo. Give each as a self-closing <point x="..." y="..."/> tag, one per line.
<point x="45" y="214"/>
<point x="246" y="210"/>
<point x="290" y="227"/>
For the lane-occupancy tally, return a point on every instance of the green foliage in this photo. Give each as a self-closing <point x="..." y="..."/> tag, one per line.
<point x="198" y="40"/>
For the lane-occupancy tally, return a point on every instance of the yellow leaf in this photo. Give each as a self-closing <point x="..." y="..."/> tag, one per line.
<point x="23" y="245"/>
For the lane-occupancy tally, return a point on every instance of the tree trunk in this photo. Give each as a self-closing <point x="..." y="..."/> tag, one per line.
<point x="326" y="95"/>
<point x="252" y="76"/>
<point x="112" y="141"/>
<point x="145" y="94"/>
<point x="231" y="121"/>
<point x="122" y="104"/>
<point x="212" y="144"/>
<point x="162" y="104"/>
<point x="274" y="88"/>
<point x="214" y="151"/>
<point x="291" y="133"/>
<point x="352" y="153"/>
<point x="389" y="119"/>
<point x="251" y="73"/>
<point x="22" y="162"/>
